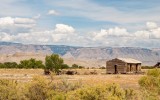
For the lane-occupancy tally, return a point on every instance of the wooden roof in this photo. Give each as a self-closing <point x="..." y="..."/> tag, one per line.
<point x="130" y="60"/>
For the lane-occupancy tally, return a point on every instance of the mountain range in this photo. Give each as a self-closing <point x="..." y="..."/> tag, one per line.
<point x="85" y="56"/>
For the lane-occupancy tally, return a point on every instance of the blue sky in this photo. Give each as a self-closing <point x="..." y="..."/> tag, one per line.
<point x="81" y="22"/>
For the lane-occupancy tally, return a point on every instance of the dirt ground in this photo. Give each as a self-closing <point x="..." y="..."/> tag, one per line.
<point x="25" y="75"/>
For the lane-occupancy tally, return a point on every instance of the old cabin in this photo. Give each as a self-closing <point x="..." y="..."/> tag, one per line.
<point x="157" y="65"/>
<point x="123" y="65"/>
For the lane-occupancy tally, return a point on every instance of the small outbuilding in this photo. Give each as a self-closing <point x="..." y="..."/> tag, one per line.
<point x="157" y="65"/>
<point x="123" y="65"/>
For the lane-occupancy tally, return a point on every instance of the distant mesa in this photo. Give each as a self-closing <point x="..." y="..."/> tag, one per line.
<point x="87" y="55"/>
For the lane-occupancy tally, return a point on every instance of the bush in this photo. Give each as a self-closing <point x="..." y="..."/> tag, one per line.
<point x="151" y="83"/>
<point x="37" y="89"/>
<point x="75" y="66"/>
<point x="9" y="90"/>
<point x="8" y="65"/>
<point x="31" y="63"/>
<point x="64" y="66"/>
<point x="2" y="65"/>
<point x="102" y="67"/>
<point x="71" y="72"/>
<point x="81" y="67"/>
<point x="102" y="92"/>
<point x="41" y="88"/>
<point x="154" y="72"/>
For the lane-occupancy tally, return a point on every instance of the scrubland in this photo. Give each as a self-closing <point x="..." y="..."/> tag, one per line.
<point x="32" y="84"/>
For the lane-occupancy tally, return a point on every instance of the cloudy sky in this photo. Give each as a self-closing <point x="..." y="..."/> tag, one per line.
<point x="131" y="23"/>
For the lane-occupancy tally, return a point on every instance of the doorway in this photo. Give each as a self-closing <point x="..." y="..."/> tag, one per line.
<point x="130" y="67"/>
<point x="136" y="68"/>
<point x="115" y="69"/>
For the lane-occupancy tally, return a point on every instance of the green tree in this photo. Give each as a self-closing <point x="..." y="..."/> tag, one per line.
<point x="10" y="65"/>
<point x="24" y="64"/>
<point x="2" y="65"/>
<point x="31" y="63"/>
<point x="54" y="63"/>
<point x="75" y="66"/>
<point x="64" y="66"/>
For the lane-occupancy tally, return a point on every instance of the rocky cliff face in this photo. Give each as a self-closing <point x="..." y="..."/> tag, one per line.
<point x="147" y="56"/>
<point x="98" y="54"/>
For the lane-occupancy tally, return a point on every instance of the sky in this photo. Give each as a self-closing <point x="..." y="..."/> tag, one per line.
<point x="88" y="23"/>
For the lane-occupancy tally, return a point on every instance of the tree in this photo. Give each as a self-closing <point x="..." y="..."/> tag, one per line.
<point x="75" y="66"/>
<point x="64" y="66"/>
<point x="54" y="63"/>
<point x="10" y="65"/>
<point x="2" y="65"/>
<point x="31" y="63"/>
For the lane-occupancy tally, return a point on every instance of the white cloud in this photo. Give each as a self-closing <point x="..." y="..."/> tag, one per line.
<point x="151" y="25"/>
<point x="53" y="12"/>
<point x="155" y="33"/>
<point x="122" y="37"/>
<point x="14" y="25"/>
<point x="62" y="28"/>
<point x="106" y="35"/>
<point x="23" y="21"/>
<point x="6" y="21"/>
<point x="67" y="35"/>
<point x="61" y="34"/>
<point x="5" y="37"/>
<point x="142" y="34"/>
<point x="112" y="32"/>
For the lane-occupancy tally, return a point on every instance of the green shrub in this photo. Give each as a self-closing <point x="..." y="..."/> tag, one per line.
<point x="41" y="88"/>
<point x="64" y="66"/>
<point x="2" y="65"/>
<point x="151" y="83"/>
<point x="75" y="66"/>
<point x="37" y="89"/>
<point x="154" y="72"/>
<point x="81" y="67"/>
<point x="102" y="92"/>
<point x="131" y="94"/>
<point x="10" y="90"/>
<point x="8" y="65"/>
<point x="31" y="63"/>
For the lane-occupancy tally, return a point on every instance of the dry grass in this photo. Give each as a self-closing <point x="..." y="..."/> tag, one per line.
<point x="24" y="75"/>
<point x="20" y="74"/>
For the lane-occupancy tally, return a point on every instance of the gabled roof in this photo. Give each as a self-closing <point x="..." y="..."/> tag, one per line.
<point x="129" y="60"/>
